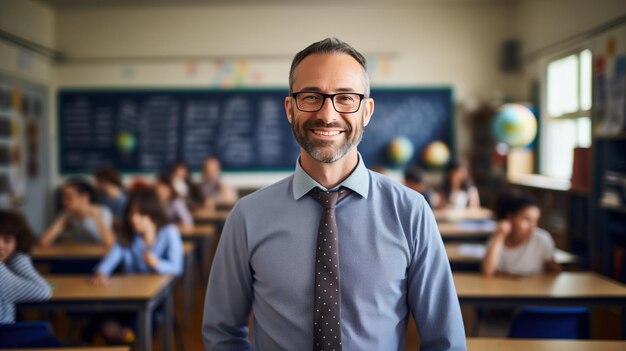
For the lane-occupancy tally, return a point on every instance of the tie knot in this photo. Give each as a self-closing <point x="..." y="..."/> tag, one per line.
<point x="328" y="199"/>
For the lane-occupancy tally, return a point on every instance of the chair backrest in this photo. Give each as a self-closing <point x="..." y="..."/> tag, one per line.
<point x="551" y="323"/>
<point x="27" y="335"/>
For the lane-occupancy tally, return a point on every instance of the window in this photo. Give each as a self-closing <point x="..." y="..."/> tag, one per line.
<point x="568" y="110"/>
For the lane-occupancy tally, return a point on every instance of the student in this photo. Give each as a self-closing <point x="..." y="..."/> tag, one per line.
<point x="82" y="220"/>
<point x="413" y="180"/>
<point x="111" y="191"/>
<point x="19" y="281"/>
<point x="184" y="188"/>
<point x="518" y="246"/>
<point x="334" y="253"/>
<point x="150" y="245"/>
<point x="214" y="189"/>
<point x="175" y="208"/>
<point x="458" y="190"/>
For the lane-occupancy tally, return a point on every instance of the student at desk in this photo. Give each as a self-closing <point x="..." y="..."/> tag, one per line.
<point x="518" y="246"/>
<point x="19" y="281"/>
<point x="152" y="245"/>
<point x="175" y="208"/>
<point x="458" y="190"/>
<point x="214" y="190"/>
<point x="111" y="191"/>
<point x="82" y="220"/>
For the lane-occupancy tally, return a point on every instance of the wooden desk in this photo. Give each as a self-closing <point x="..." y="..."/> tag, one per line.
<point x="215" y="217"/>
<point x="488" y="344"/>
<point x="141" y="294"/>
<point x="203" y="236"/>
<point x="69" y="251"/>
<point x="468" y="231"/>
<point x="92" y="252"/>
<point x="565" y="289"/>
<point x="455" y="215"/>
<point x="471" y="255"/>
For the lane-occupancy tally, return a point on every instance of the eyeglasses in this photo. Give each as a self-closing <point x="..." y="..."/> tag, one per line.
<point x="342" y="102"/>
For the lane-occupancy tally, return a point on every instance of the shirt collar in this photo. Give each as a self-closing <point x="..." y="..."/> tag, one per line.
<point x="357" y="181"/>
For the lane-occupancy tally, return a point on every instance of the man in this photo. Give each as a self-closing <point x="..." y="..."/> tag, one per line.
<point x="272" y="257"/>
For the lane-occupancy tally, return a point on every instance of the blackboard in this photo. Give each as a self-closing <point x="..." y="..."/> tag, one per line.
<point x="148" y="130"/>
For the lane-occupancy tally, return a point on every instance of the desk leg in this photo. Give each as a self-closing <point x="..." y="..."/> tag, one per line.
<point x="187" y="289"/>
<point x="144" y="328"/>
<point x="623" y="323"/>
<point x="168" y="323"/>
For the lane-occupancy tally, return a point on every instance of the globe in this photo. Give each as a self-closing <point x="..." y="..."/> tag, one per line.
<point x="400" y="150"/>
<point x="514" y="125"/>
<point x="125" y="142"/>
<point x="436" y="154"/>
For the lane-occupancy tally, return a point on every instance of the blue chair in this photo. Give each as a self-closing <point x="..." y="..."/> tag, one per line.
<point x="27" y="335"/>
<point x="551" y="323"/>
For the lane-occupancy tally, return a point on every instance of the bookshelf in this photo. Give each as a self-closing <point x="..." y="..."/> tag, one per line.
<point x="608" y="203"/>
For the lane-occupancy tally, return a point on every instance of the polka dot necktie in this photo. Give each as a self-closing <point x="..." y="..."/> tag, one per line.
<point x="327" y="313"/>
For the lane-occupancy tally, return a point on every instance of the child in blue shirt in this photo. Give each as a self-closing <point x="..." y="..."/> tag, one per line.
<point x="150" y="245"/>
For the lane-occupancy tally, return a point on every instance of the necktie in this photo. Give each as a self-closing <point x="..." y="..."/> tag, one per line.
<point x="326" y="320"/>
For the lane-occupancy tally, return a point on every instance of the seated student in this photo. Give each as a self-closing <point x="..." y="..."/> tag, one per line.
<point x="111" y="191"/>
<point x="81" y="221"/>
<point x="213" y="188"/>
<point x="458" y="190"/>
<point x="19" y="281"/>
<point x="518" y="246"/>
<point x="413" y="180"/>
<point x="184" y="188"/>
<point x="151" y="244"/>
<point x="175" y="208"/>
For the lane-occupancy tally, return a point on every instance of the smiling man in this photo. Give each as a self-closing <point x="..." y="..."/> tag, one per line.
<point x="334" y="257"/>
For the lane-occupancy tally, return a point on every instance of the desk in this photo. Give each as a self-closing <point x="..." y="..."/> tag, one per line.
<point x="455" y="215"/>
<point x="208" y="216"/>
<point x="94" y="252"/>
<point x="487" y="344"/>
<point x="141" y="294"/>
<point x="203" y="236"/>
<point x="565" y="289"/>
<point x="468" y="231"/>
<point x="69" y="251"/>
<point x="471" y="255"/>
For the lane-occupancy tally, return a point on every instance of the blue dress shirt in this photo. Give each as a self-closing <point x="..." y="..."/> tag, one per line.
<point x="168" y="247"/>
<point x="392" y="263"/>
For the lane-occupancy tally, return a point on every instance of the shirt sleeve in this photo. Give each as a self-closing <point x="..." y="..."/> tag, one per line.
<point x="548" y="247"/>
<point x="431" y="293"/>
<point x="21" y="282"/>
<point x="172" y="260"/>
<point x="229" y="292"/>
<point x="111" y="260"/>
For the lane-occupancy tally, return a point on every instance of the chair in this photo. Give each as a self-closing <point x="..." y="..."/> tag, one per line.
<point x="551" y="323"/>
<point x="27" y="335"/>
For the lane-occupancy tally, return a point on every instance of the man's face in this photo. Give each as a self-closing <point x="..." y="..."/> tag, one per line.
<point x="327" y="135"/>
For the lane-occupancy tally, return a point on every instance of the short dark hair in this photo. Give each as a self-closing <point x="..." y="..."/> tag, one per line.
<point x="510" y="203"/>
<point x="109" y="175"/>
<point x="329" y="46"/>
<point x="14" y="224"/>
<point x="83" y="187"/>
<point x="146" y="202"/>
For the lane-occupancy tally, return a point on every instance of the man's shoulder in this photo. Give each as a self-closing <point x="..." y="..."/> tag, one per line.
<point x="386" y="186"/>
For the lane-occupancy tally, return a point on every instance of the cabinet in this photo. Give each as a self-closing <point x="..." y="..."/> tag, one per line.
<point x="608" y="245"/>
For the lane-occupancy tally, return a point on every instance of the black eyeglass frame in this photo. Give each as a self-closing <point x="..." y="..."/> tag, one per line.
<point x="332" y="99"/>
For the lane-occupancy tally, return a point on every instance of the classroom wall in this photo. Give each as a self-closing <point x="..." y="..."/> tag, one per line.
<point x="408" y="44"/>
<point x="34" y="22"/>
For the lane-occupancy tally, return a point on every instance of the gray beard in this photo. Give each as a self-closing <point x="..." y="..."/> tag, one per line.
<point x="315" y="149"/>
